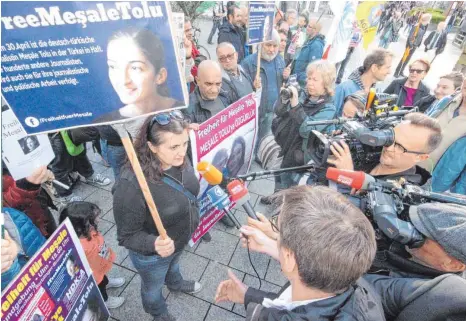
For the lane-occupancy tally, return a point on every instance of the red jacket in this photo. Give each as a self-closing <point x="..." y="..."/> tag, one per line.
<point x="98" y="254"/>
<point x="25" y="198"/>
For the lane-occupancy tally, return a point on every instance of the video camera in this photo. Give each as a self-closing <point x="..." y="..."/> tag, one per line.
<point x="386" y="203"/>
<point x="365" y="136"/>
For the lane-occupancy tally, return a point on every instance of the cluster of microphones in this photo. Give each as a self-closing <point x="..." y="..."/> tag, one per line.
<point x="237" y="191"/>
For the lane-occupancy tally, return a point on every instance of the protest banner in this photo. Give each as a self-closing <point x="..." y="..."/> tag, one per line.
<point x="22" y="154"/>
<point x="226" y="140"/>
<point x="261" y="17"/>
<point x="368" y="16"/>
<point x="55" y="284"/>
<point x="72" y="63"/>
<point x="178" y="25"/>
<point x="341" y="31"/>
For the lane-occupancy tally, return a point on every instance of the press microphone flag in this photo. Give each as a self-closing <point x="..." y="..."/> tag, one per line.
<point x="211" y="174"/>
<point x="239" y="194"/>
<point x="221" y="201"/>
<point x="358" y="180"/>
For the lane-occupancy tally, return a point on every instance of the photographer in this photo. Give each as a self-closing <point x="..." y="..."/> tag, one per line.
<point x="313" y="103"/>
<point x="414" y="139"/>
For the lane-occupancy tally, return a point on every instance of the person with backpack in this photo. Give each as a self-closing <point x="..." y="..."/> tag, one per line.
<point x="313" y="103"/>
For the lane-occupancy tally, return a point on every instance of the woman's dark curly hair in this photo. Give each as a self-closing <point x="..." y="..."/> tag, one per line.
<point x="153" y="133"/>
<point x="83" y="217"/>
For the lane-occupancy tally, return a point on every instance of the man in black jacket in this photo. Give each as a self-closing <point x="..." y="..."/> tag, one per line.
<point x="323" y="276"/>
<point x="414" y="41"/>
<point x="235" y="81"/>
<point x="232" y="31"/>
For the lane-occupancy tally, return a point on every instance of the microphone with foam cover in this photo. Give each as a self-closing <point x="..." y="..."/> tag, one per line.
<point x="240" y="195"/>
<point x="221" y="201"/>
<point x="357" y="180"/>
<point x="210" y="173"/>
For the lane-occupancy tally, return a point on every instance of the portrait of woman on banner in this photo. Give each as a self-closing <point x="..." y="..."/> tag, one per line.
<point x="137" y="72"/>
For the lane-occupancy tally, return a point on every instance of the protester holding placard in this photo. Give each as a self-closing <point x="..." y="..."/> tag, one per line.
<point x="272" y="74"/>
<point x="161" y="148"/>
<point x="83" y="216"/>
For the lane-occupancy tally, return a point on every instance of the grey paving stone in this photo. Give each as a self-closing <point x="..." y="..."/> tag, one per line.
<point x="132" y="308"/>
<point x="241" y="262"/>
<point x="84" y="190"/>
<point x="185" y="307"/>
<point x="262" y="187"/>
<point x="193" y="248"/>
<point x="93" y="157"/>
<point x="213" y="275"/>
<point x="98" y="167"/>
<point x="221" y="247"/>
<point x="109" y="216"/>
<point x="104" y="226"/>
<point x="267" y="210"/>
<point x="128" y="264"/>
<point x="254" y="282"/>
<point x="274" y="273"/>
<point x="241" y="216"/>
<point x="111" y="240"/>
<point x="216" y="314"/>
<point x="192" y="266"/>
<point x="102" y="199"/>
<point x="117" y="272"/>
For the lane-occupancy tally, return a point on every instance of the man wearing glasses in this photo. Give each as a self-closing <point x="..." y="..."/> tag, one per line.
<point x="415" y="138"/>
<point x="235" y="81"/>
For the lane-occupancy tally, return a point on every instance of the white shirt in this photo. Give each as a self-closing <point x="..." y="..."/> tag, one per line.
<point x="283" y="302"/>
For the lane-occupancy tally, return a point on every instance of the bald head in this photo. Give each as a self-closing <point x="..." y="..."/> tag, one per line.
<point x="209" y="79"/>
<point x="313" y="28"/>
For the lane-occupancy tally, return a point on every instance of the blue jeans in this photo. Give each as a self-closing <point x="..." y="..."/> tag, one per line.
<point x="114" y="155"/>
<point x="155" y="271"/>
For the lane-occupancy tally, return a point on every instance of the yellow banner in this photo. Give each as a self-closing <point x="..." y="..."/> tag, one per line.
<point x="368" y="16"/>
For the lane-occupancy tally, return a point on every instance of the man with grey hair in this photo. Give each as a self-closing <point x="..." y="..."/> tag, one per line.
<point x="235" y="81"/>
<point x="272" y="75"/>
<point x="290" y="17"/>
<point x="313" y="49"/>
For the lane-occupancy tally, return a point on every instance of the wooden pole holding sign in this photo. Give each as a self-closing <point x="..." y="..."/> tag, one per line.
<point x="141" y="178"/>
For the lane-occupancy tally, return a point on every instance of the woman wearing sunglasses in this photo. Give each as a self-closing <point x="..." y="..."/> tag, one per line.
<point x="161" y="148"/>
<point x="411" y="89"/>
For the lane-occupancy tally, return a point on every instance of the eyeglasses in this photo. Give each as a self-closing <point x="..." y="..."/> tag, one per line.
<point x="164" y="119"/>
<point x="402" y="150"/>
<point x="227" y="57"/>
<point x="274" y="222"/>
<point x="418" y="71"/>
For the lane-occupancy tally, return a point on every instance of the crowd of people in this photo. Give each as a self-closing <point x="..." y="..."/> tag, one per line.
<point x="335" y="264"/>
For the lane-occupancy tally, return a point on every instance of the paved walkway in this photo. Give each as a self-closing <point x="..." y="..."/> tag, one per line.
<point x="205" y="262"/>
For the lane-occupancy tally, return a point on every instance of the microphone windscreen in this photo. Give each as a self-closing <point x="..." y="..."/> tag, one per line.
<point x="238" y="192"/>
<point x="211" y="174"/>
<point x="349" y="178"/>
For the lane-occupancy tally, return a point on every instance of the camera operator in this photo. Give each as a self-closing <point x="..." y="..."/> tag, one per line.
<point x="415" y="137"/>
<point x="444" y="250"/>
<point x="313" y="103"/>
<point x="309" y="215"/>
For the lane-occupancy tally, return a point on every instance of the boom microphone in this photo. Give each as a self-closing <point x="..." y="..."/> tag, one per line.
<point x="357" y="180"/>
<point x="220" y="201"/>
<point x="210" y="173"/>
<point x="239" y="194"/>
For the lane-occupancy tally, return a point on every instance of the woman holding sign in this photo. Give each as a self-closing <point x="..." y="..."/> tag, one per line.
<point x="161" y="147"/>
<point x="136" y="68"/>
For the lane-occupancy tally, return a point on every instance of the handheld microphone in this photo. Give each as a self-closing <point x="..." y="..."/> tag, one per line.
<point x="220" y="201"/>
<point x="357" y="180"/>
<point x="240" y="195"/>
<point x="210" y="173"/>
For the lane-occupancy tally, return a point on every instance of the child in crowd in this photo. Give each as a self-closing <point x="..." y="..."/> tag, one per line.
<point x="83" y="217"/>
